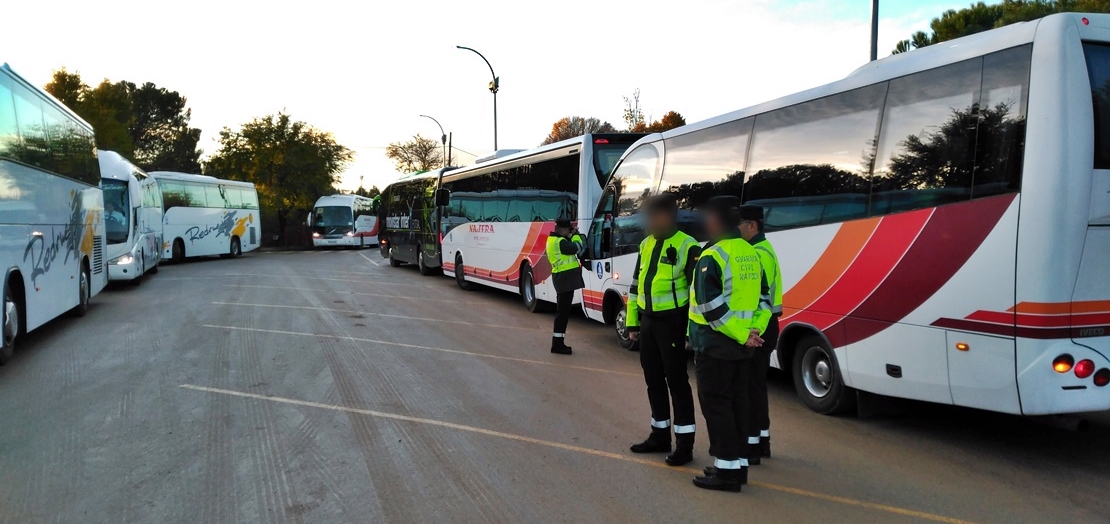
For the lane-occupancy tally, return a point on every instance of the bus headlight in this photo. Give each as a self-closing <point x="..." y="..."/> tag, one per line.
<point x="350" y="233"/>
<point x="315" y="235"/>
<point x="124" y="260"/>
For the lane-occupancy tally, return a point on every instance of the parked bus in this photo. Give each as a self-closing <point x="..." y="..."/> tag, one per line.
<point x="410" y="230"/>
<point x="51" y="210"/>
<point x="132" y="218"/>
<point x="500" y="213"/>
<point x="206" y="216"/>
<point x="343" y="220"/>
<point x="942" y="218"/>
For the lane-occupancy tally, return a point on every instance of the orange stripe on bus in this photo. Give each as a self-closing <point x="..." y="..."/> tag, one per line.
<point x="845" y="246"/>
<point x="1062" y="308"/>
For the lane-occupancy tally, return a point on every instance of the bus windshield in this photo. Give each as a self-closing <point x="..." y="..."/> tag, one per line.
<point x="605" y="159"/>
<point x="333" y="216"/>
<point x="117" y="211"/>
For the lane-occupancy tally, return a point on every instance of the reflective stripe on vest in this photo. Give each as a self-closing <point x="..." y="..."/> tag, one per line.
<point x="669" y="290"/>
<point x="773" y="272"/>
<point x="737" y="289"/>
<point x="559" y="261"/>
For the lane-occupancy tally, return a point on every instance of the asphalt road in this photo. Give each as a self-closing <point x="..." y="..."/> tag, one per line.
<point x="329" y="387"/>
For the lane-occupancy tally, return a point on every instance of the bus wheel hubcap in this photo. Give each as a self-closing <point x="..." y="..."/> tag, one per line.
<point x="817" y="373"/>
<point x="621" y="331"/>
<point x="529" y="293"/>
<point x="11" y="320"/>
<point x="84" y="288"/>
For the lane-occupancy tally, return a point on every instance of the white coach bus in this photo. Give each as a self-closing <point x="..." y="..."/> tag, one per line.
<point x="942" y="218"/>
<point x="344" y="221"/>
<point x="500" y="213"/>
<point x="51" y="210"/>
<point x="132" y="218"/>
<point x="206" y="216"/>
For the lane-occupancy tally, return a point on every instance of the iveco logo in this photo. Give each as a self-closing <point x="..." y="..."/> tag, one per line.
<point x="1092" y="332"/>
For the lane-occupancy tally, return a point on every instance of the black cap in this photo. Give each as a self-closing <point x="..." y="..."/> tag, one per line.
<point x="664" y="203"/>
<point x="562" y="222"/>
<point x="725" y="207"/>
<point x="751" y="213"/>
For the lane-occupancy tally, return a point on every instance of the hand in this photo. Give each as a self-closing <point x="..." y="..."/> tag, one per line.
<point x="688" y="346"/>
<point x="633" y="335"/>
<point x="754" y="341"/>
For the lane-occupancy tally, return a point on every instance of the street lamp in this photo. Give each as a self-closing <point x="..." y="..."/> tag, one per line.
<point x="494" y="86"/>
<point x="874" y="30"/>
<point x="443" y="138"/>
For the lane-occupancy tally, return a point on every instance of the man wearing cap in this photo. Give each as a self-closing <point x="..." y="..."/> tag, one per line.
<point x="751" y="228"/>
<point x="658" y="310"/>
<point x="563" y="246"/>
<point x="727" y="317"/>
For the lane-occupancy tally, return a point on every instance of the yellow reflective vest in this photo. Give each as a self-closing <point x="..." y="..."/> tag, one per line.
<point x="727" y="297"/>
<point x="659" y="283"/>
<point x="772" y="272"/>
<point x="559" y="261"/>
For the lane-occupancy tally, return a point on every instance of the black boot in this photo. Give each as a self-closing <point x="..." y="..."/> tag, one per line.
<point x="658" y="442"/>
<point x="712" y="470"/>
<point x="731" y="480"/>
<point x="558" y="347"/>
<point x="753" y="454"/>
<point x="683" y="450"/>
<point x="765" y="447"/>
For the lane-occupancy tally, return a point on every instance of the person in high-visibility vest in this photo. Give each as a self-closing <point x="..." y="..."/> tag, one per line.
<point x="727" y="317"/>
<point x="563" y="246"/>
<point x="658" y="310"/>
<point x="751" y="228"/>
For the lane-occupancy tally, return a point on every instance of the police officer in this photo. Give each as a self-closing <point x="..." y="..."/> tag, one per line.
<point x="658" y="311"/>
<point x="751" y="228"/>
<point x="563" y="246"/>
<point x="727" y="317"/>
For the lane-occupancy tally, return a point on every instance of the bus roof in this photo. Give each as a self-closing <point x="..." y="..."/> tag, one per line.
<point x="888" y="68"/>
<point x="627" y="138"/>
<point x="203" y="179"/>
<point x="45" y="95"/>
<point x="115" y="167"/>
<point x="341" y="198"/>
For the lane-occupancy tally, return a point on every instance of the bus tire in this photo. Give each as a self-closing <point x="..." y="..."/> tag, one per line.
<point x="178" y="253"/>
<point x="11" y="322"/>
<point x="84" y="288"/>
<point x="236" y="248"/>
<point x="460" y="274"/>
<point x="422" y="264"/>
<point x="817" y="378"/>
<point x="393" y="262"/>
<point x="528" y="290"/>
<point x="623" y="338"/>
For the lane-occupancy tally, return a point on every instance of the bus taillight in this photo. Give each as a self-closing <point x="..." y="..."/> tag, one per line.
<point x="1084" y="368"/>
<point x="1102" y="378"/>
<point x="601" y="141"/>
<point x="1063" y="363"/>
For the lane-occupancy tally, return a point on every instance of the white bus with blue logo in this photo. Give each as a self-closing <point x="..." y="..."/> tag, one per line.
<point x="206" y="216"/>
<point x="51" y="211"/>
<point x="132" y="218"/>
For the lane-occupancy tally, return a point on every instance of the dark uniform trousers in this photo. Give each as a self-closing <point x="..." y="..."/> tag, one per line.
<point x="725" y="395"/>
<point x="663" y="357"/>
<point x="761" y="363"/>
<point x="564" y="307"/>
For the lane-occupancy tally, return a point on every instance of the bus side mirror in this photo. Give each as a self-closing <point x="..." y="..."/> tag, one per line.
<point x="308" y="219"/>
<point x="443" y="197"/>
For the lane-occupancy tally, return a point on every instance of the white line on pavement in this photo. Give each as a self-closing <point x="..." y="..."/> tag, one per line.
<point x="384" y="315"/>
<point x="368" y="260"/>
<point x="427" y="348"/>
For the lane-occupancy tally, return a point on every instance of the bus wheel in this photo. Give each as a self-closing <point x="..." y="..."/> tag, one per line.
<point x="817" y="378"/>
<point x="422" y="264"/>
<point x="178" y="254"/>
<point x="623" y="339"/>
<point x="10" y="326"/>
<point x="83" y="287"/>
<point x="393" y="262"/>
<point x="236" y="248"/>
<point x="460" y="274"/>
<point x="528" y="289"/>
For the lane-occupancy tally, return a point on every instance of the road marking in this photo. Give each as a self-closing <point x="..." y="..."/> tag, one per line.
<point x="385" y="315"/>
<point x="428" y="348"/>
<point x="368" y="259"/>
<point x="302" y="277"/>
<point x="383" y="295"/>
<point x="578" y="449"/>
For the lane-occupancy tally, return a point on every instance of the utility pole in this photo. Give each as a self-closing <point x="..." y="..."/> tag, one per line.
<point x="494" y="87"/>
<point x="874" y="30"/>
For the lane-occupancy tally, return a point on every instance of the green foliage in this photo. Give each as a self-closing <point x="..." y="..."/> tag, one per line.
<point x="979" y="17"/>
<point x="417" y="155"/>
<point x="148" y="123"/>
<point x="290" y="162"/>
<point x="572" y="126"/>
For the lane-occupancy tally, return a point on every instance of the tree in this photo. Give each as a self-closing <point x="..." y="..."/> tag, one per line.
<point x="290" y="162"/>
<point x="148" y="124"/>
<point x="417" y="155"/>
<point x="979" y="17"/>
<point x="572" y="126"/>
<point x="633" y="116"/>
<point x="669" y="121"/>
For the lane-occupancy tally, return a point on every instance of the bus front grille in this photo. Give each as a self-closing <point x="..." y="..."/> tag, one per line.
<point x="98" y="255"/>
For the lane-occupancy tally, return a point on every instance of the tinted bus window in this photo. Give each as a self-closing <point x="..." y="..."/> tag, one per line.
<point x="1000" y="142"/>
<point x="631" y="186"/>
<point x="804" y="154"/>
<point x="9" y="132"/>
<point x="704" y="164"/>
<point x="1098" y="68"/>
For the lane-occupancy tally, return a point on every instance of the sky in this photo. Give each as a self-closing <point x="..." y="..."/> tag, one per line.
<point x="365" y="71"/>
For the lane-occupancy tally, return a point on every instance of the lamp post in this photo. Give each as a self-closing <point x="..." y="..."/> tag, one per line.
<point x="494" y="86"/>
<point x="874" y="30"/>
<point x="443" y="139"/>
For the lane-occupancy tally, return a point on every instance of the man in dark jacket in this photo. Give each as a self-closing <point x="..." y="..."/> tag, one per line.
<point x="563" y="247"/>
